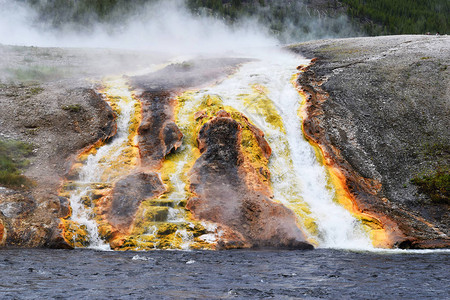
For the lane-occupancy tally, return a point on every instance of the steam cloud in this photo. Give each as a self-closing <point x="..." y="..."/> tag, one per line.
<point x="166" y="26"/>
<point x="163" y="26"/>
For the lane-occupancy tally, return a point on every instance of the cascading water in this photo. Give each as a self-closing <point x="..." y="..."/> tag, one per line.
<point x="263" y="91"/>
<point x="107" y="163"/>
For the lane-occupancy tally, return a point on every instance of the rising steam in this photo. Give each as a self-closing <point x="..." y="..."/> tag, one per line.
<point x="163" y="26"/>
<point x="167" y="26"/>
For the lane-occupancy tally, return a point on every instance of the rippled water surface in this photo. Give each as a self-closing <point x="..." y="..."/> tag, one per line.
<point x="318" y="274"/>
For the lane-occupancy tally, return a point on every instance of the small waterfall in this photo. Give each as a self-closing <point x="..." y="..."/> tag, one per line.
<point x="263" y="90"/>
<point x="105" y="165"/>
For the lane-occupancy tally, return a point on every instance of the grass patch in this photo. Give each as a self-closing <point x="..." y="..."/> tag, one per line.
<point x="36" y="73"/>
<point x="437" y="149"/>
<point x="12" y="160"/>
<point x="72" y="107"/>
<point x="435" y="185"/>
<point x="35" y="90"/>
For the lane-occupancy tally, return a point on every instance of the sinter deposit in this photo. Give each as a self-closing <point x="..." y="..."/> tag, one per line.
<point x="262" y="150"/>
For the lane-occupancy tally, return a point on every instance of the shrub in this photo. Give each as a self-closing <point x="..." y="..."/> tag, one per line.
<point x="12" y="159"/>
<point x="435" y="185"/>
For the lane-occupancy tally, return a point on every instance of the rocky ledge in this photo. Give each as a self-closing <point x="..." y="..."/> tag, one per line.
<point x="379" y="108"/>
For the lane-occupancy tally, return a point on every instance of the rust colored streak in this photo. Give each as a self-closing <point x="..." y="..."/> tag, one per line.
<point x="259" y="135"/>
<point x="2" y="233"/>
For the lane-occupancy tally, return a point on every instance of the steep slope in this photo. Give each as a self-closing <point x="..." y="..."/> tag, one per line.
<point x="380" y="110"/>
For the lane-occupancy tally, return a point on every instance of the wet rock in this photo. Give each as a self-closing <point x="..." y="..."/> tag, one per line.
<point x="158" y="133"/>
<point x="15" y="205"/>
<point x="225" y="196"/>
<point x="72" y="233"/>
<point x="57" y="240"/>
<point x="64" y="207"/>
<point x="200" y="115"/>
<point x="23" y="222"/>
<point x="128" y="193"/>
<point x="171" y="136"/>
<point x="188" y="74"/>
<point x="222" y="114"/>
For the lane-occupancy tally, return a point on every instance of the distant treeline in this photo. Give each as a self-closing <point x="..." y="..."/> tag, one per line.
<point x="289" y="20"/>
<point x="375" y="17"/>
<point x="59" y="13"/>
<point x="401" y="16"/>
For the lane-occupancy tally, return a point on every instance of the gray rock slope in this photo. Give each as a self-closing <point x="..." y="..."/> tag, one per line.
<point x="388" y="113"/>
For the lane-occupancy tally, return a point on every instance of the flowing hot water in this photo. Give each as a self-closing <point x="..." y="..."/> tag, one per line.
<point x="107" y="163"/>
<point x="264" y="91"/>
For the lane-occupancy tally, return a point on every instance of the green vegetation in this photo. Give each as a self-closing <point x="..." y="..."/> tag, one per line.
<point x="437" y="150"/>
<point x="12" y="159"/>
<point x="84" y="13"/>
<point x="35" y="90"/>
<point x="287" y="20"/>
<point x="435" y="181"/>
<point x="36" y="74"/>
<point x="401" y="16"/>
<point x="435" y="185"/>
<point x="72" y="107"/>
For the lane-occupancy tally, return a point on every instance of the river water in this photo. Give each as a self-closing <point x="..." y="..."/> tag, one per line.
<point x="236" y="274"/>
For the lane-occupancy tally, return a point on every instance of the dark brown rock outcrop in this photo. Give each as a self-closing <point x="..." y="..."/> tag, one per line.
<point x="127" y="195"/>
<point x="224" y="195"/>
<point x="158" y="133"/>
